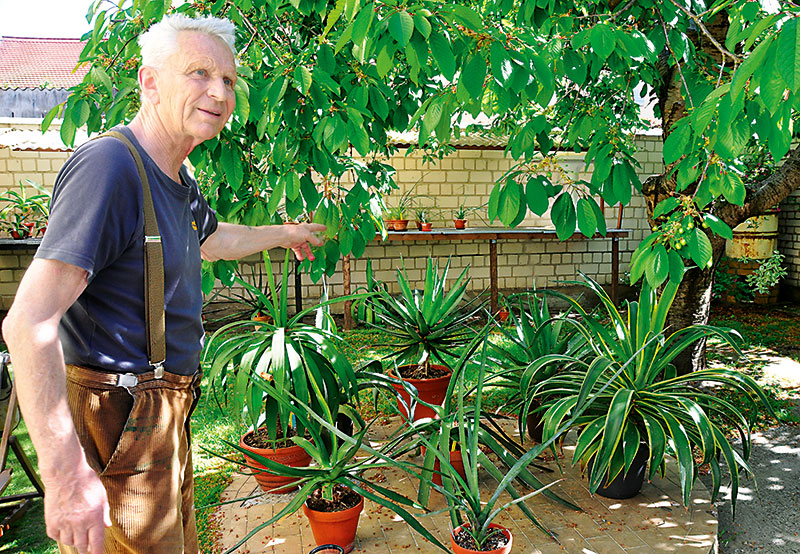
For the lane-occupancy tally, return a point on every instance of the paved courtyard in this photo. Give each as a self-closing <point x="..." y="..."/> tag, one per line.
<point x="653" y="521"/>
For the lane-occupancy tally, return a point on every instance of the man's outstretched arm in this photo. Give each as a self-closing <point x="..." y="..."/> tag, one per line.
<point x="231" y="242"/>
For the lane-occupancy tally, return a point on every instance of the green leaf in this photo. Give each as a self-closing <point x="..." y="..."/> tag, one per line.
<point x="676" y="143"/>
<point x="383" y="62"/>
<point x="358" y="137"/>
<point x="509" y="202"/>
<point x="302" y="79"/>
<point x="401" y="27"/>
<point x="718" y="226"/>
<point x="700" y="248"/>
<point x="657" y="267"/>
<point x="474" y="75"/>
<point x="788" y="54"/>
<point x="665" y="207"/>
<point x="622" y="183"/>
<point x="599" y="217"/>
<point x="586" y="218"/>
<point x="746" y="69"/>
<point x="422" y="24"/>
<point x="100" y="76"/>
<point x="602" y="40"/>
<point x="467" y="16"/>
<point x="563" y="215"/>
<point x="536" y="195"/>
<point x="443" y="54"/>
<point x="242" y="110"/>
<point x="676" y="267"/>
<point x="51" y="114"/>
<point x="502" y="67"/>
<point x="732" y="188"/>
<point x="67" y="131"/>
<point x="333" y="17"/>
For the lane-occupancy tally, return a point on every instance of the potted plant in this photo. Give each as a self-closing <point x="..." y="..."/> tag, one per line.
<point x="430" y="327"/>
<point x="332" y="491"/>
<point x="398" y="221"/>
<point x="472" y="513"/>
<point x="460" y="217"/>
<point x="640" y="405"/>
<point x="502" y="310"/>
<point x="23" y="215"/>
<point x="442" y="434"/>
<point x="531" y="350"/>
<point x="303" y="359"/>
<point x="423" y="220"/>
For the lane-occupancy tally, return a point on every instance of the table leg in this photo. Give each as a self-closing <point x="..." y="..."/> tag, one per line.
<point x="614" y="268"/>
<point x="298" y="288"/>
<point x="348" y="315"/>
<point x="493" y="273"/>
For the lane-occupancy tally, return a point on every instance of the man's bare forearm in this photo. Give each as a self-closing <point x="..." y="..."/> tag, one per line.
<point x="39" y="375"/>
<point x="232" y="242"/>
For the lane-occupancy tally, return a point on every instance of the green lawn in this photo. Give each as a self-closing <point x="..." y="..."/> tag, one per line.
<point x="774" y="331"/>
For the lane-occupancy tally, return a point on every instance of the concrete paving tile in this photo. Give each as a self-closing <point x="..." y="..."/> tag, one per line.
<point x="604" y="545"/>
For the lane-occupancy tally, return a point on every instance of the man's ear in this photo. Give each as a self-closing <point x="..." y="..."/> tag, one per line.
<point x="148" y="83"/>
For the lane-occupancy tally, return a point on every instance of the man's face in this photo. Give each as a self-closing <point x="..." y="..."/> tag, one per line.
<point x="196" y="87"/>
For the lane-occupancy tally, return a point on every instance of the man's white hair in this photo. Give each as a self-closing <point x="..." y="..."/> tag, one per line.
<point x="161" y="40"/>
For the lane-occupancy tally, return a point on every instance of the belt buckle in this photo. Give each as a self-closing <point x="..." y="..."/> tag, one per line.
<point x="127" y="380"/>
<point x="158" y="369"/>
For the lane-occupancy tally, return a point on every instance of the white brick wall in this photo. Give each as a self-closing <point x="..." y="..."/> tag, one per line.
<point x="789" y="237"/>
<point x="466" y="176"/>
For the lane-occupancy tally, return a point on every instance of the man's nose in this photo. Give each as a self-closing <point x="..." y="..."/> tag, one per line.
<point x="216" y="89"/>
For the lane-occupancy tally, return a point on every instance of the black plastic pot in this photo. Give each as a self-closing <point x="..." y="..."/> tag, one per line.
<point x="535" y="423"/>
<point x="626" y="484"/>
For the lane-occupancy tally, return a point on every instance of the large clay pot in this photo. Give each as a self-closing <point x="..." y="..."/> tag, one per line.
<point x="335" y="527"/>
<point x="626" y="484"/>
<point x="431" y="391"/>
<point x="502" y="550"/>
<point x="456" y="460"/>
<point x="294" y="456"/>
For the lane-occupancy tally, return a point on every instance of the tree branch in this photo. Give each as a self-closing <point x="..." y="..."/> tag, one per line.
<point x="770" y="192"/>
<point x="699" y="22"/>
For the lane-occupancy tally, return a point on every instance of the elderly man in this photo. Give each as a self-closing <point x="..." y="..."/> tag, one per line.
<point x="109" y="426"/>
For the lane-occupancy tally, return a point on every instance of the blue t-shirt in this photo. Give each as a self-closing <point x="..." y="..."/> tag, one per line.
<point x="96" y="223"/>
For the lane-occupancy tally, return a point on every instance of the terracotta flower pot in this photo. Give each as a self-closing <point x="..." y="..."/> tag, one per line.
<point x="460" y="223"/>
<point x="456" y="460"/>
<point x="294" y="456"/>
<point x="400" y="224"/>
<point x="335" y="527"/>
<point x="389" y="224"/>
<point x="502" y="315"/>
<point x="505" y="549"/>
<point x="426" y="226"/>
<point x="431" y="391"/>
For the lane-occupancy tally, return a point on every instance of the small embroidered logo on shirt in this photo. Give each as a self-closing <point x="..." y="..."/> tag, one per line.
<point x="194" y="225"/>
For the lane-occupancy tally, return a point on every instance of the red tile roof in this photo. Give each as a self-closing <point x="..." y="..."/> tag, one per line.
<point x="40" y="62"/>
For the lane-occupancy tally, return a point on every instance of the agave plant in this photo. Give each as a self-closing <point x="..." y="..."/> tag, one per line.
<point x="532" y="349"/>
<point x="638" y="396"/>
<point x="298" y="357"/>
<point x="429" y="323"/>
<point x="443" y="433"/>
<point x="335" y="462"/>
<point x="465" y="503"/>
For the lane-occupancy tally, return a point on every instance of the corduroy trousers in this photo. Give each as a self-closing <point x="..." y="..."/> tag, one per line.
<point x="137" y="439"/>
